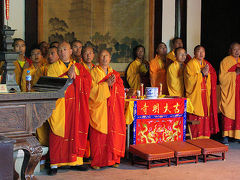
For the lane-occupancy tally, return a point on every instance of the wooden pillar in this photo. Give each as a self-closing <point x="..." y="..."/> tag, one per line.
<point x="31" y="24"/>
<point x="158" y="23"/>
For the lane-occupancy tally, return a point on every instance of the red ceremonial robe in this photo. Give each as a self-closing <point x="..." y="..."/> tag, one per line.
<point x="230" y="124"/>
<point x="107" y="149"/>
<point x="73" y="145"/>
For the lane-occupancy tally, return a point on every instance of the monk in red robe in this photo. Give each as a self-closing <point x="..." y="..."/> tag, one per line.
<point x="229" y="78"/>
<point x="107" y="120"/>
<point x="69" y="122"/>
<point x="200" y="83"/>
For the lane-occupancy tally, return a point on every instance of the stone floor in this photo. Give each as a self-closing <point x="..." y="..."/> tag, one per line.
<point x="212" y="170"/>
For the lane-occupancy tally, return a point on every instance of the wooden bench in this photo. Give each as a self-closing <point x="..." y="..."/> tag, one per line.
<point x="153" y="154"/>
<point x="184" y="152"/>
<point x="210" y="148"/>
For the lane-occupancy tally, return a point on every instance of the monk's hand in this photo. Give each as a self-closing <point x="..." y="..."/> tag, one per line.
<point x="205" y="70"/>
<point x="238" y="70"/>
<point x="111" y="80"/>
<point x="71" y="72"/>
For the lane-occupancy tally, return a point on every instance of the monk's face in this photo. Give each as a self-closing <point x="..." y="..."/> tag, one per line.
<point x="36" y="56"/>
<point x="20" y="47"/>
<point x="140" y="53"/>
<point x="178" y="43"/>
<point x="200" y="53"/>
<point x="76" y="49"/>
<point x="104" y="58"/>
<point x="52" y="55"/>
<point x="64" y="52"/>
<point x="44" y="48"/>
<point x="181" y="55"/>
<point x="162" y="49"/>
<point x="88" y="55"/>
<point x="235" y="51"/>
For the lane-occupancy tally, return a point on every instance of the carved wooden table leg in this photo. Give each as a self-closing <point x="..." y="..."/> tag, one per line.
<point x="32" y="156"/>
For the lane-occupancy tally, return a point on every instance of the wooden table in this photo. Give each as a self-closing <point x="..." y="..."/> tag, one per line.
<point x="20" y="115"/>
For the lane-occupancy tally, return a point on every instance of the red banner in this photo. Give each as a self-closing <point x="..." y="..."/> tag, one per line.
<point x="159" y="120"/>
<point x="7" y="9"/>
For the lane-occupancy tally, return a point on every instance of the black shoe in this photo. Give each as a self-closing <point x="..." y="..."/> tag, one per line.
<point x="225" y="140"/>
<point x="52" y="171"/>
<point x="81" y="168"/>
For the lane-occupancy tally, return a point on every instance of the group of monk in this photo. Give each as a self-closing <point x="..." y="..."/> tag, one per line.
<point x="195" y="79"/>
<point x="88" y="122"/>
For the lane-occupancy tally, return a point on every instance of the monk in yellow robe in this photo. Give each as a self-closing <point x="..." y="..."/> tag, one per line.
<point x="70" y="120"/>
<point x="87" y="58"/>
<point x="176" y="43"/>
<point x="157" y="68"/>
<point x="43" y="46"/>
<point x="200" y="84"/>
<point x="22" y="62"/>
<point x="138" y="70"/>
<point x="77" y="50"/>
<point x="229" y="78"/>
<point x="175" y="81"/>
<point x="36" y="66"/>
<point x="107" y="122"/>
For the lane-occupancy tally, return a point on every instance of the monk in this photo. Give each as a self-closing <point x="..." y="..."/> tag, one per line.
<point x="77" y="48"/>
<point x="43" y="46"/>
<point x="229" y="78"/>
<point x="52" y="55"/>
<point x="36" y="65"/>
<point x="176" y="43"/>
<point x="200" y="84"/>
<point x="87" y="57"/>
<point x="69" y="122"/>
<point x="157" y="67"/>
<point x="54" y="44"/>
<point x="107" y="122"/>
<point x="175" y="81"/>
<point x="22" y="62"/>
<point x="138" y="70"/>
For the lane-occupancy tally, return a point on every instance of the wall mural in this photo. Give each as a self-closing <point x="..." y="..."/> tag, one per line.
<point x="118" y="25"/>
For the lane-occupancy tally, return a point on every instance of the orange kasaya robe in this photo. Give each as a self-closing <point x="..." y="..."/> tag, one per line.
<point x="158" y="73"/>
<point x="19" y="66"/>
<point x="201" y="90"/>
<point x="35" y="73"/>
<point x="175" y="81"/>
<point x="107" y="120"/>
<point x="69" y="122"/>
<point x="230" y="97"/>
<point x="172" y="58"/>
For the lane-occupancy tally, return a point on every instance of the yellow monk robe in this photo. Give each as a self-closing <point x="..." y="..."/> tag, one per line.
<point x="171" y="56"/>
<point x="175" y="81"/>
<point x="35" y="73"/>
<point x="158" y="73"/>
<point x="198" y="89"/>
<point x="193" y="80"/>
<point x="229" y="101"/>
<point x="133" y="74"/>
<point x="98" y="104"/>
<point x="57" y="119"/>
<point x="107" y="122"/>
<point x="54" y="70"/>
